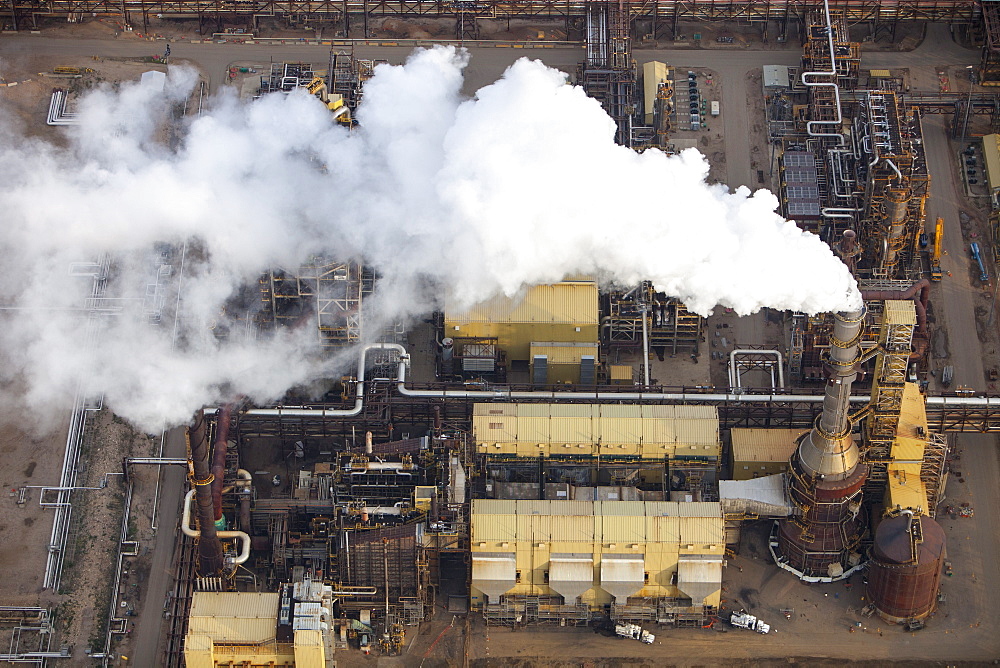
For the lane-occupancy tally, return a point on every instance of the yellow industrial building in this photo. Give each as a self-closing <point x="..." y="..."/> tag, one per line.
<point x="757" y="453"/>
<point x="913" y="480"/>
<point x="991" y="156"/>
<point x="565" y="312"/>
<point x="606" y="431"/>
<point x="598" y="552"/>
<point x="252" y="629"/>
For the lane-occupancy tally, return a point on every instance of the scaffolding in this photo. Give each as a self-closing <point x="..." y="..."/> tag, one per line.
<point x="989" y="67"/>
<point x="323" y="289"/>
<point x="669" y="323"/>
<point x="896" y="189"/>
<point x="933" y="469"/>
<point x="895" y="338"/>
<point x="609" y="73"/>
<point x="524" y="610"/>
<point x="662" y="610"/>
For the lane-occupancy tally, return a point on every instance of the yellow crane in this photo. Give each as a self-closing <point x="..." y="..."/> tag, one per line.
<point x="936" y="250"/>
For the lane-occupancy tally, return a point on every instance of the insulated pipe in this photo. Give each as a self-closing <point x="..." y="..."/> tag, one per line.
<point x="734" y="374"/>
<point x="833" y="84"/>
<point x="359" y="402"/>
<point x="242" y="536"/>
<point x="219" y="457"/>
<point x="645" y="347"/>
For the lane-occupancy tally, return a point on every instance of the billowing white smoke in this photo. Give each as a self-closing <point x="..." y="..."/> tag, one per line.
<point x="518" y="186"/>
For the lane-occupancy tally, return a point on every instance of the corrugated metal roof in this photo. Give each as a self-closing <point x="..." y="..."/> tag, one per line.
<point x="572" y="410"/>
<point x="495" y="428"/>
<point x="613" y="411"/>
<point x="700" y="531"/>
<point x="764" y="445"/>
<point x="571" y="430"/>
<point x="658" y="431"/>
<point x="900" y="312"/>
<point x="620" y="372"/>
<point x="567" y="302"/>
<point x="691" y="412"/>
<point x="620" y="508"/>
<point x="991" y="156"/>
<point x="668" y="411"/>
<point x="882" y="74"/>
<point x="309" y="651"/>
<point x="699" y="509"/>
<point x="696" y="432"/>
<point x="661" y="508"/>
<point x="496" y="409"/>
<point x="234" y="617"/>
<point x="494" y="507"/>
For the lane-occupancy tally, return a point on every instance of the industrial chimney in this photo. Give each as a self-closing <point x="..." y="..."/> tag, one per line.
<point x="826" y="474"/>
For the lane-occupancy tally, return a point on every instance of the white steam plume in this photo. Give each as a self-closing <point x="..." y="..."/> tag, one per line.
<point x="521" y="185"/>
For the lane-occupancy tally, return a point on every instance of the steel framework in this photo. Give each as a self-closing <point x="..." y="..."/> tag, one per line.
<point x="660" y="17"/>
<point x="896" y="335"/>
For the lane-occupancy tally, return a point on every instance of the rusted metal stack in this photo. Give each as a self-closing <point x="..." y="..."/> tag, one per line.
<point x="905" y="571"/>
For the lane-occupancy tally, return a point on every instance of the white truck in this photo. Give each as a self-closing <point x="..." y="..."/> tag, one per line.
<point x="635" y="632"/>
<point x="745" y="620"/>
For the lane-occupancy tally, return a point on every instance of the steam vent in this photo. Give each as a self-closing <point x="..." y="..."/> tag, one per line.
<point x="819" y="544"/>
<point x="905" y="570"/>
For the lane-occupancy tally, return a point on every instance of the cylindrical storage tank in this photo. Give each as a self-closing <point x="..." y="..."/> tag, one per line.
<point x="905" y="570"/>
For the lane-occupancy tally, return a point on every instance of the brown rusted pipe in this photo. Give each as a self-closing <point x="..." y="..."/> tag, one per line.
<point x="210" y="557"/>
<point x="219" y="457"/>
<point x="919" y="292"/>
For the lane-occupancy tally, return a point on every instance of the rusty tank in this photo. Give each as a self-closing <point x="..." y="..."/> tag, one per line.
<point x="905" y="570"/>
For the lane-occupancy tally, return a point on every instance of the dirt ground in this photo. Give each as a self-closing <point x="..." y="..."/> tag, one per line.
<point x="26" y="458"/>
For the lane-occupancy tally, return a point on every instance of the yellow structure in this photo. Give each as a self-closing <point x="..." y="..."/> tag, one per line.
<point x="562" y="312"/>
<point x="912" y="467"/>
<point x="654" y="73"/>
<point x="245" y="629"/>
<point x="991" y="156"/>
<point x="563" y="362"/>
<point x="762" y="452"/>
<point x="599" y="552"/>
<point x="606" y="431"/>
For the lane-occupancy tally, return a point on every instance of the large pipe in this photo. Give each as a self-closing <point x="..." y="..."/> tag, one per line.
<point x="359" y="402"/>
<point x="242" y="536"/>
<point x="210" y="556"/>
<point x="219" y="457"/>
<point x="827" y="84"/>
<point x="829" y="451"/>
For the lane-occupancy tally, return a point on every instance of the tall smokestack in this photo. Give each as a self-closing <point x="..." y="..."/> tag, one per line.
<point x="826" y="473"/>
<point x="210" y="555"/>
<point x="219" y="457"/>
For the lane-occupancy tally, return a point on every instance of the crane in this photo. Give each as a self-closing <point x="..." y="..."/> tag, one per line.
<point x="936" y="252"/>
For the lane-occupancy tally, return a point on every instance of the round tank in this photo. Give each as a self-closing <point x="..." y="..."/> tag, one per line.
<point x="905" y="570"/>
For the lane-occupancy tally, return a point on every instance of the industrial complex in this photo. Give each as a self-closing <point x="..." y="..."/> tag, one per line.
<point x="581" y="457"/>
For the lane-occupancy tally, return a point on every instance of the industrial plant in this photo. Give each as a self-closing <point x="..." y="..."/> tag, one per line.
<point x="587" y="453"/>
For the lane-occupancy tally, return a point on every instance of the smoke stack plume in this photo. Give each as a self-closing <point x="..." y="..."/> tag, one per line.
<point x="519" y="185"/>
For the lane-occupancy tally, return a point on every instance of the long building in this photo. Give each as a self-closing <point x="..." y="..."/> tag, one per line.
<point x="596" y="554"/>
